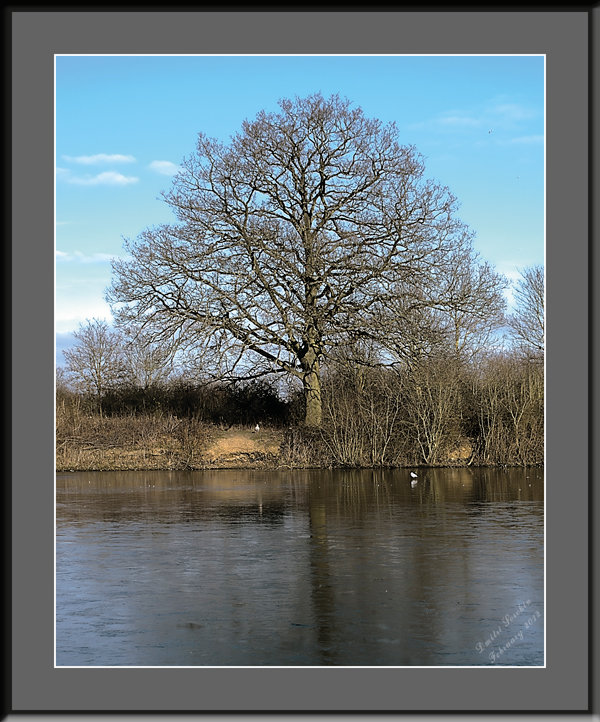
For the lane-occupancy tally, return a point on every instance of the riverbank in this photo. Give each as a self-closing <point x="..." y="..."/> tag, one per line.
<point x="486" y="415"/>
<point x="164" y="442"/>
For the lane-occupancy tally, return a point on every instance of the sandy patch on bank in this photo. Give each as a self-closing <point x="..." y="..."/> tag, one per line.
<point x="231" y="445"/>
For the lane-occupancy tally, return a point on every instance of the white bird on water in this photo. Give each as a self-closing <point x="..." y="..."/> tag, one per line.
<point x="413" y="481"/>
<point x="412" y="473"/>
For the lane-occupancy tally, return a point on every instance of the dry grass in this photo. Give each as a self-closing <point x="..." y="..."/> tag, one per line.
<point x="156" y="441"/>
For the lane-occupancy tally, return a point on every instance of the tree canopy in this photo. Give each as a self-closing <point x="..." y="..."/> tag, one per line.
<point x="296" y="237"/>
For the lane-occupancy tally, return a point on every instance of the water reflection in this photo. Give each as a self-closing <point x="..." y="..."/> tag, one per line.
<point x="318" y="568"/>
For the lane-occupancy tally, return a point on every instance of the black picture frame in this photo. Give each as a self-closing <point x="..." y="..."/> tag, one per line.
<point x="563" y="36"/>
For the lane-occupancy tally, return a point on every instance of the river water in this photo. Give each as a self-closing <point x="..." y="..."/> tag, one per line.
<point x="300" y="568"/>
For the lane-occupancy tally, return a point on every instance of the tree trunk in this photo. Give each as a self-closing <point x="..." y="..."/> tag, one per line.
<point x="312" y="397"/>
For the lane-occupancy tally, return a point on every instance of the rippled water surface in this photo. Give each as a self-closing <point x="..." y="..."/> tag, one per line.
<point x="347" y="568"/>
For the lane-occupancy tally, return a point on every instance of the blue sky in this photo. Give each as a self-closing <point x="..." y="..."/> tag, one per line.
<point x="124" y="123"/>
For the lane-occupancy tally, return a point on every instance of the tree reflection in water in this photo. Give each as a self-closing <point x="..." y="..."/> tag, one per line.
<point x="295" y="568"/>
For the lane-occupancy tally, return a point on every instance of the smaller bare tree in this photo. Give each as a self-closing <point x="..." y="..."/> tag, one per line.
<point x="96" y="362"/>
<point x="527" y="321"/>
<point x="472" y="303"/>
<point x="146" y="361"/>
<point x="450" y="312"/>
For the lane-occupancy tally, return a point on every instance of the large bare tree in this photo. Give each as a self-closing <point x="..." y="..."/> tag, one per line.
<point x="287" y="239"/>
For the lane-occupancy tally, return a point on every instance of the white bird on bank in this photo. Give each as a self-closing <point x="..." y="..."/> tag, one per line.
<point x="256" y="429"/>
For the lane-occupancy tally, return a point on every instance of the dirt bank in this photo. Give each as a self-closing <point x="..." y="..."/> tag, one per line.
<point x="240" y="447"/>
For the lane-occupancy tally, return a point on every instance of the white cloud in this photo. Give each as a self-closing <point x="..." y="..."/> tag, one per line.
<point x="512" y="271"/>
<point x="99" y="158"/>
<point x="449" y="121"/>
<point x="457" y="120"/>
<point x="108" y="178"/>
<point x="512" y="111"/>
<point x="526" y="140"/>
<point x="164" y="167"/>
<point x="496" y="114"/>
<point x="81" y="257"/>
<point x="65" y="321"/>
<point x="512" y="268"/>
